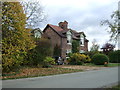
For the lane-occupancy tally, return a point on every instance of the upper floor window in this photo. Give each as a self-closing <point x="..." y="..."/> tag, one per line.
<point x="82" y="40"/>
<point x="37" y="34"/>
<point x="69" y="37"/>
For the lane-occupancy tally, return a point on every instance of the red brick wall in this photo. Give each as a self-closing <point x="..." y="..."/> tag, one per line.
<point x="65" y="46"/>
<point x="56" y="39"/>
<point x="62" y="42"/>
<point x="85" y="47"/>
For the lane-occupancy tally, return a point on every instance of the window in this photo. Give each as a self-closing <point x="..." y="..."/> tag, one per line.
<point x="82" y="51"/>
<point x="68" y="51"/>
<point x="69" y="37"/>
<point x="81" y="40"/>
<point x="67" y="41"/>
<point x="37" y="34"/>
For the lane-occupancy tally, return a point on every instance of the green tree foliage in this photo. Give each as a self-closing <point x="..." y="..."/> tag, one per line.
<point x="37" y="55"/>
<point x="113" y="25"/>
<point x="114" y="56"/>
<point x="75" y="46"/>
<point x="57" y="51"/>
<point x="16" y="39"/>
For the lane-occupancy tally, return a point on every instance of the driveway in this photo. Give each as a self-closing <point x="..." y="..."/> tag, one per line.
<point x="87" y="79"/>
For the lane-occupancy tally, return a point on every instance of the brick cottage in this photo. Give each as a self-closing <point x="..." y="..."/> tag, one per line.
<point x="62" y="36"/>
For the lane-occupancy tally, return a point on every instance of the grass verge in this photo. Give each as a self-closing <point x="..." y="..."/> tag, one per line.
<point x="109" y="65"/>
<point x="28" y="72"/>
<point x="117" y="87"/>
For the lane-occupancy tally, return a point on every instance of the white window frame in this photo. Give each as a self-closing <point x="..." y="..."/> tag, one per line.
<point x="37" y="34"/>
<point x="68" y="51"/>
<point x="69" y="38"/>
<point x="82" y="39"/>
<point x="82" y="51"/>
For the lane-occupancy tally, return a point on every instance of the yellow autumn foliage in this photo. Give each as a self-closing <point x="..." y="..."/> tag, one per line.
<point x="77" y="58"/>
<point x="16" y="40"/>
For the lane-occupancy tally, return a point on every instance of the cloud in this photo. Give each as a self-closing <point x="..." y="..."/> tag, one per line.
<point x="82" y="15"/>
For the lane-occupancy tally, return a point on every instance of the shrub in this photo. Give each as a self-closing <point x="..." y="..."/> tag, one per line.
<point x="114" y="56"/>
<point x="92" y="53"/>
<point x="38" y="54"/>
<point x="79" y="59"/>
<point x="88" y="59"/>
<point x="35" y="57"/>
<point x="48" y="61"/>
<point x="57" y="51"/>
<point x="75" y="46"/>
<point x="100" y="59"/>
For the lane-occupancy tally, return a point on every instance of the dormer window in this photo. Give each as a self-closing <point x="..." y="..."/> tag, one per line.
<point x="82" y="40"/>
<point x="37" y="34"/>
<point x="69" y="37"/>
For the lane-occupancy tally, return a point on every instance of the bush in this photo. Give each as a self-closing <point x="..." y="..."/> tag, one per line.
<point x="48" y="61"/>
<point x="100" y="59"/>
<point x="38" y="54"/>
<point x="114" y="56"/>
<point x="88" y="59"/>
<point x="75" y="46"/>
<point x="35" y="57"/>
<point x="57" y="51"/>
<point x="92" y="53"/>
<point x="79" y="59"/>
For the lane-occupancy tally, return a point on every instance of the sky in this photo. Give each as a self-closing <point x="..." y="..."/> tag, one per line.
<point x="81" y="15"/>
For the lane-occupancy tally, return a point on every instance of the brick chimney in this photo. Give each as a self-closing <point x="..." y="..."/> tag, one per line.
<point x="63" y="25"/>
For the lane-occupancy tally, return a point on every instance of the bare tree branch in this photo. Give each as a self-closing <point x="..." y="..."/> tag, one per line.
<point x="34" y="13"/>
<point x="113" y="25"/>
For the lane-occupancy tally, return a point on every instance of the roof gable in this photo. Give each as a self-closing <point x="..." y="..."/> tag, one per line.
<point x="62" y="33"/>
<point x="56" y="29"/>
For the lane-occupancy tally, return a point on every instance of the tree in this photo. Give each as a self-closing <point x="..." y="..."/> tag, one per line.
<point x="95" y="46"/>
<point x="94" y="49"/>
<point x="34" y="12"/>
<point x="43" y="49"/>
<point x="75" y="46"/>
<point x="113" y="25"/>
<point x="107" y="48"/>
<point x="57" y="51"/>
<point x="16" y="40"/>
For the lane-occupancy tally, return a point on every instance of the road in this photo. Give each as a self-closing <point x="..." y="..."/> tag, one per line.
<point x="87" y="79"/>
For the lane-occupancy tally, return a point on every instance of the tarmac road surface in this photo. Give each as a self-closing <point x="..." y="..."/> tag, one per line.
<point x="88" y="79"/>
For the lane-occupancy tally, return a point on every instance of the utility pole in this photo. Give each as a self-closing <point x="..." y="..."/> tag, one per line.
<point x="119" y="25"/>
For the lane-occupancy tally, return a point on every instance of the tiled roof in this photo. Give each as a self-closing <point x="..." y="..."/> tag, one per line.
<point x="57" y="28"/>
<point x="62" y="33"/>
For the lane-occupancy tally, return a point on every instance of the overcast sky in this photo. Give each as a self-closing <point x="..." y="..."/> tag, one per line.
<point x="82" y="15"/>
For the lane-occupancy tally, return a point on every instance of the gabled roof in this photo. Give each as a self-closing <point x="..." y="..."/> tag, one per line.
<point x="36" y="29"/>
<point x="62" y="33"/>
<point x="57" y="28"/>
